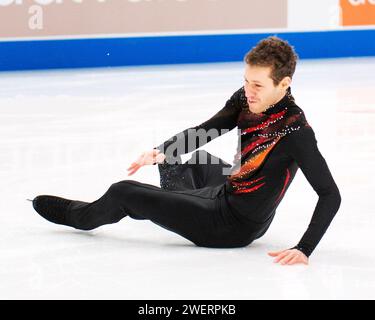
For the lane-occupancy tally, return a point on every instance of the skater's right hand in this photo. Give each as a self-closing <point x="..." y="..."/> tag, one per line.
<point x="146" y="158"/>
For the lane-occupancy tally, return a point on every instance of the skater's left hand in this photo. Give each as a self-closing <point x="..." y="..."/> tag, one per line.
<point x="289" y="256"/>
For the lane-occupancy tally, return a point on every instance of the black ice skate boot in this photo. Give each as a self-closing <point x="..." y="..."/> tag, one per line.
<point x="52" y="208"/>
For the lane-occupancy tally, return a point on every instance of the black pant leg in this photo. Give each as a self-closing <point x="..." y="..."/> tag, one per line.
<point x="188" y="215"/>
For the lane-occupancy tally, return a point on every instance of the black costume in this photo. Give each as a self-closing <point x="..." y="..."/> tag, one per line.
<point x="211" y="209"/>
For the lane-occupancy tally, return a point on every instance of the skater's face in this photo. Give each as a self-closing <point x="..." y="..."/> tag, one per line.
<point x="260" y="89"/>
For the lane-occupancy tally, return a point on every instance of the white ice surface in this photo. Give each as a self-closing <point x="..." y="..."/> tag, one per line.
<point x="73" y="133"/>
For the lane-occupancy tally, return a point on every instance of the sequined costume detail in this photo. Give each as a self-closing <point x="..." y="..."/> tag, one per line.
<point x="259" y="135"/>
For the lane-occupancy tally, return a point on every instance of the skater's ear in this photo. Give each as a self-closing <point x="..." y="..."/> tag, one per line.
<point x="285" y="83"/>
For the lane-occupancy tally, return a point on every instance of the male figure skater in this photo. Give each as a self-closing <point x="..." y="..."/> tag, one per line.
<point x="198" y="200"/>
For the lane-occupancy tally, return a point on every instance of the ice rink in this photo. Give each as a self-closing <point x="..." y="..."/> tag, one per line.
<point x="72" y="133"/>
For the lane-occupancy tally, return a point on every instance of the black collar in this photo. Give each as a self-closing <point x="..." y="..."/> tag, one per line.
<point x="281" y="105"/>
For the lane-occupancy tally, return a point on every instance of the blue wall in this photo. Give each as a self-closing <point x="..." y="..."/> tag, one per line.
<point x="107" y="52"/>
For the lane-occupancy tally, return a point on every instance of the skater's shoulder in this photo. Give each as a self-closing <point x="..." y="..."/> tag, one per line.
<point x="300" y="130"/>
<point x="301" y="136"/>
<point x="294" y="108"/>
<point x="294" y="111"/>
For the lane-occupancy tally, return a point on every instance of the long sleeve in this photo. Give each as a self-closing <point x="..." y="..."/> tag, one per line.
<point x="190" y="139"/>
<point x="302" y="146"/>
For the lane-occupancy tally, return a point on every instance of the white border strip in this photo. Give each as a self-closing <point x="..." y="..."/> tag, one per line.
<point x="185" y="33"/>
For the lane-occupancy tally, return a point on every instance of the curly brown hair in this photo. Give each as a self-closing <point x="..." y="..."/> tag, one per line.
<point x="275" y="53"/>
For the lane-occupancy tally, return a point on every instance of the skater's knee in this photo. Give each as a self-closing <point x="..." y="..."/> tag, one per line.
<point x="121" y="188"/>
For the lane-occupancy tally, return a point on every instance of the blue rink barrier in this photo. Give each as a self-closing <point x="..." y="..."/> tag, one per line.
<point x="130" y="51"/>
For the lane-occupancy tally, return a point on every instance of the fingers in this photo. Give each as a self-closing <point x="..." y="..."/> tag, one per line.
<point x="293" y="260"/>
<point x="145" y="158"/>
<point x="275" y="253"/>
<point x="134" y="168"/>
<point x="281" y="256"/>
<point x="288" y="257"/>
<point x="136" y="165"/>
<point x="299" y="259"/>
<point x="132" y="172"/>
